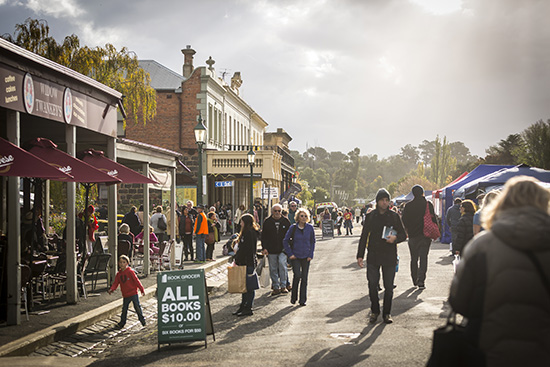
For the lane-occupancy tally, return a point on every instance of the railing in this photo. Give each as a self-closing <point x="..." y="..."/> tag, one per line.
<point x="286" y="157"/>
<point x="235" y="163"/>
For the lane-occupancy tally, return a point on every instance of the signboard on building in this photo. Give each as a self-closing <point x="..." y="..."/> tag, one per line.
<point x="270" y="192"/>
<point x="224" y="183"/>
<point x="183" y="307"/>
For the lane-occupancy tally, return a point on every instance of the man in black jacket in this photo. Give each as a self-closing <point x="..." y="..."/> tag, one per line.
<point x="419" y="245"/>
<point x="383" y="230"/>
<point x="273" y="233"/>
<point x="132" y="220"/>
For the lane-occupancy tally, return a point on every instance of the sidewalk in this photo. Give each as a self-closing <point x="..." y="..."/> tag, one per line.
<point x="53" y="320"/>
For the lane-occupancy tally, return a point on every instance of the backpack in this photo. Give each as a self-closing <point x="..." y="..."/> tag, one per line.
<point x="161" y="224"/>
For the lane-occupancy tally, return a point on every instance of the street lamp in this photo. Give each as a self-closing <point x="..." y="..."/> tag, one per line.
<point x="251" y="157"/>
<point x="200" y="139"/>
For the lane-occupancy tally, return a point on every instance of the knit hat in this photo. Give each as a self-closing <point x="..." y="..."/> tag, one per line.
<point x="382" y="193"/>
<point x="417" y="191"/>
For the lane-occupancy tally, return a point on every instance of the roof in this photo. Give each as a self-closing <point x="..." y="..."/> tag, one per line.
<point x="162" y="78"/>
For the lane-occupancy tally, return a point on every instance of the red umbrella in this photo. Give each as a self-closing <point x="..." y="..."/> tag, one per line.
<point x="114" y="169"/>
<point x="80" y="170"/>
<point x="15" y="161"/>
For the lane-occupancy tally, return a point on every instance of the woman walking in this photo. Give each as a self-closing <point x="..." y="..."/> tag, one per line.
<point x="186" y="225"/>
<point x="246" y="255"/>
<point x="465" y="228"/>
<point x="299" y="244"/>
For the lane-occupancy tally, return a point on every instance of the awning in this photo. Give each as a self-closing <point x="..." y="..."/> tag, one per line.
<point x="164" y="179"/>
<point x="80" y="170"/>
<point x="114" y="169"/>
<point x="15" y="161"/>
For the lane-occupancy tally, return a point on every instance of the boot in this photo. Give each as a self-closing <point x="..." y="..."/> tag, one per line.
<point x="239" y="310"/>
<point x="245" y="312"/>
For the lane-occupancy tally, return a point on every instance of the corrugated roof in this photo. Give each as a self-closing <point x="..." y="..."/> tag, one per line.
<point x="162" y="78"/>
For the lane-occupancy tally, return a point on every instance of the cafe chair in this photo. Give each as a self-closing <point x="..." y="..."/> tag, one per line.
<point x="99" y="264"/>
<point x="25" y="285"/>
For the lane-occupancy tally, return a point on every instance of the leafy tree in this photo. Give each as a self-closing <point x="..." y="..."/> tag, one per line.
<point x="537" y="144"/>
<point x="405" y="185"/>
<point x="410" y="154"/>
<point x="442" y="162"/>
<point x="117" y="69"/>
<point x="511" y="150"/>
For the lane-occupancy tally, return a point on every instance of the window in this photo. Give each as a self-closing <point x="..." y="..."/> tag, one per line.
<point x="210" y="132"/>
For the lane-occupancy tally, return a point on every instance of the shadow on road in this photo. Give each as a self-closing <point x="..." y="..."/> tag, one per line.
<point x="347" y="310"/>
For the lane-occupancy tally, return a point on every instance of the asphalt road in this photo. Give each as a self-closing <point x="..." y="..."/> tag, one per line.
<point x="332" y="330"/>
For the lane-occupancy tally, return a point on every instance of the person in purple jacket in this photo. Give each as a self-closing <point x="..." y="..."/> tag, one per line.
<point x="299" y="244"/>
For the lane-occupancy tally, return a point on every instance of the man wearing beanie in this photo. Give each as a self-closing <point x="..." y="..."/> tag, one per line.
<point x="382" y="253"/>
<point x="419" y="245"/>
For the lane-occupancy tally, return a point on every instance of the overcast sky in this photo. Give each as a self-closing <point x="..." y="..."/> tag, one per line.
<point x="373" y="74"/>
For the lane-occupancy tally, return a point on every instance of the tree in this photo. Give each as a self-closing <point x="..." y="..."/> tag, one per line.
<point x="537" y="144"/>
<point x="118" y="69"/>
<point x="442" y="162"/>
<point x="511" y="151"/>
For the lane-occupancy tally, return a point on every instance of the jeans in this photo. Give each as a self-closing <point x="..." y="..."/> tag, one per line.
<point x="188" y="245"/>
<point x="300" y="268"/>
<point x="373" y="277"/>
<point x="419" y="248"/>
<point x="200" y="247"/>
<point x="247" y="299"/>
<point x="278" y="270"/>
<point x="137" y="307"/>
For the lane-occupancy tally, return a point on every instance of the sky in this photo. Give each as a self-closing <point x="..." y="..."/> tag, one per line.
<point x="340" y="74"/>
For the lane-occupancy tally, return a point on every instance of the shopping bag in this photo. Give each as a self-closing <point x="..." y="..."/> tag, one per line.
<point x="456" y="261"/>
<point x="236" y="279"/>
<point x="252" y="282"/>
<point x="260" y="266"/>
<point x="431" y="229"/>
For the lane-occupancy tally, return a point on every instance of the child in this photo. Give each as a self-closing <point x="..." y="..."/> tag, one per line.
<point x="129" y="285"/>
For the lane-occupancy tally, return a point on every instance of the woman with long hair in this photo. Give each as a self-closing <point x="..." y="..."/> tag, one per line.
<point x="465" y="228"/>
<point x="246" y="255"/>
<point x="499" y="285"/>
<point x="186" y="224"/>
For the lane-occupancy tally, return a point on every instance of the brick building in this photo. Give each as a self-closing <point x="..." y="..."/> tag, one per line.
<point x="233" y="127"/>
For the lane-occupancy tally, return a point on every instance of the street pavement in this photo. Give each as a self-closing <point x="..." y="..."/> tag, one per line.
<point x="332" y="330"/>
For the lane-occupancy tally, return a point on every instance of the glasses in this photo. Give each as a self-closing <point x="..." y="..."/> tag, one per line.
<point x="276" y="211"/>
<point x="303" y="215"/>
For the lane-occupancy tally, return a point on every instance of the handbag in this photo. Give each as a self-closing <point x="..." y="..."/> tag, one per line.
<point x="451" y="347"/>
<point x="252" y="282"/>
<point x="161" y="224"/>
<point x="210" y="239"/>
<point x="431" y="229"/>
<point x="236" y="279"/>
<point x="263" y="272"/>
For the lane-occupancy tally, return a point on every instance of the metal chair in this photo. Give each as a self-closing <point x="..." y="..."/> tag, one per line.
<point x="26" y="275"/>
<point x="98" y="264"/>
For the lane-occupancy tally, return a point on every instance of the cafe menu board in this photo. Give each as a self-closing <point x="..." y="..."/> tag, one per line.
<point x="36" y="96"/>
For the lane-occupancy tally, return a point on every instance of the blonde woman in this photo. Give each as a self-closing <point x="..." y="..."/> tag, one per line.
<point x="498" y="286"/>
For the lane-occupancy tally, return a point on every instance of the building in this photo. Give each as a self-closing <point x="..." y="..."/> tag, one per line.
<point x="232" y="128"/>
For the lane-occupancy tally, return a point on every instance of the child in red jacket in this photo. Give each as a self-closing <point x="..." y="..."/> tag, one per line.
<point x="129" y="285"/>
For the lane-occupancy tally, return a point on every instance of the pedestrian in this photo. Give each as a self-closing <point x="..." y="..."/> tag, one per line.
<point x="153" y="241"/>
<point x="129" y="285"/>
<point x="292" y="207"/>
<point x="339" y="221"/>
<point x="192" y="211"/>
<point x="357" y="215"/>
<point x="186" y="225"/>
<point x="500" y="282"/>
<point x="452" y="217"/>
<point x="132" y="219"/>
<point x="487" y="198"/>
<point x="159" y="223"/>
<point x="348" y="222"/>
<point x="419" y="245"/>
<point x="212" y="229"/>
<point x="382" y="253"/>
<point x="200" y="230"/>
<point x="273" y="233"/>
<point x="222" y="215"/>
<point x="238" y="213"/>
<point x="92" y="226"/>
<point x="465" y="228"/>
<point x="125" y="235"/>
<point x="299" y="244"/>
<point x="246" y="256"/>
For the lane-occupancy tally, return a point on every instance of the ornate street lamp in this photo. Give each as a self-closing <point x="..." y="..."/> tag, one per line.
<point x="251" y="157"/>
<point x="200" y="139"/>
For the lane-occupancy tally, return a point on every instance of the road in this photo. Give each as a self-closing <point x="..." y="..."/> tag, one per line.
<point x="332" y="330"/>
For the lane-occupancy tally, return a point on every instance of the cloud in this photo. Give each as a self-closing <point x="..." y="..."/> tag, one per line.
<point x="56" y="8"/>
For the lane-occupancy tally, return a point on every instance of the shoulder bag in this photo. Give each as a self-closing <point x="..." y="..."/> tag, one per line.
<point x="431" y="229"/>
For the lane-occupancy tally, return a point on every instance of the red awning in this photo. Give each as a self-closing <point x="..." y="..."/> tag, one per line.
<point x="15" y="161"/>
<point x="114" y="169"/>
<point x="81" y="171"/>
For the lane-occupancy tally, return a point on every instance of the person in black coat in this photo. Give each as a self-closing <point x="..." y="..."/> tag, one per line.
<point x="465" y="228"/>
<point x="382" y="253"/>
<point x="273" y="233"/>
<point x="132" y="220"/>
<point x="419" y="245"/>
<point x="246" y="255"/>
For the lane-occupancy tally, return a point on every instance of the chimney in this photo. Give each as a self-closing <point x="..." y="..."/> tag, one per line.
<point x="188" y="61"/>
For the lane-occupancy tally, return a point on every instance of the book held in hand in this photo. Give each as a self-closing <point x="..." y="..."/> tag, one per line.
<point x="388" y="231"/>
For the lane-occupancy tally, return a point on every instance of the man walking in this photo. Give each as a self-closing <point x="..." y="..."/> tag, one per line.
<point x="292" y="208"/>
<point x="273" y="233"/>
<point x="200" y="231"/>
<point x="383" y="230"/>
<point x="452" y="217"/>
<point x="419" y="245"/>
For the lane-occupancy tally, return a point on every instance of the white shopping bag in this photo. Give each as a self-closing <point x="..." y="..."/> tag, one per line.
<point x="456" y="261"/>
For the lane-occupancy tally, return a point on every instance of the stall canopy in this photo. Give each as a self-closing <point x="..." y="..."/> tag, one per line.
<point x="114" y="169"/>
<point x="446" y="194"/>
<point x="80" y="170"/>
<point x="499" y="178"/>
<point x="15" y="161"/>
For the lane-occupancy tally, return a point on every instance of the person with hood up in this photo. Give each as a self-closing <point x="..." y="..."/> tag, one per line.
<point x="502" y="282"/>
<point x="419" y="245"/>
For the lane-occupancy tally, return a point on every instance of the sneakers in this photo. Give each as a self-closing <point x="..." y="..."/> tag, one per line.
<point x="276" y="292"/>
<point x="373" y="317"/>
<point x="388" y="319"/>
<point x="283" y="290"/>
<point x="143" y="323"/>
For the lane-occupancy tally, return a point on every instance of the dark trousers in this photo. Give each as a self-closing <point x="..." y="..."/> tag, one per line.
<point x="209" y="251"/>
<point x="419" y="248"/>
<point x="247" y="299"/>
<point x="300" y="268"/>
<point x="188" y="245"/>
<point x="373" y="277"/>
<point x="137" y="307"/>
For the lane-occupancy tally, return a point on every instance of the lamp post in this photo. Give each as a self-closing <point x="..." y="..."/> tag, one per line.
<point x="251" y="157"/>
<point x="200" y="139"/>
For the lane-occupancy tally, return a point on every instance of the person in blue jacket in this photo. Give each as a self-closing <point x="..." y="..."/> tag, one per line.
<point x="299" y="244"/>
